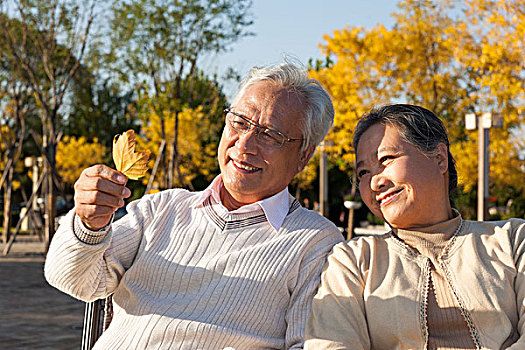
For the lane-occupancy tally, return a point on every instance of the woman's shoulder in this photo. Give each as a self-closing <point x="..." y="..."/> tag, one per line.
<point x="364" y="245"/>
<point x="505" y="234"/>
<point x="510" y="226"/>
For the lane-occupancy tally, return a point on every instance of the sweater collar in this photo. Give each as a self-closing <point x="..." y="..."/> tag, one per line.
<point x="275" y="208"/>
<point x="431" y="240"/>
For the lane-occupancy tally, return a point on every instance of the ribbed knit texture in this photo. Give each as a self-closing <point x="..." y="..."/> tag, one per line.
<point x="196" y="278"/>
<point x="446" y="325"/>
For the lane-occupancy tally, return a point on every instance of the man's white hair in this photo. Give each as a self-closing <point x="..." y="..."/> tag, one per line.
<point x="293" y="76"/>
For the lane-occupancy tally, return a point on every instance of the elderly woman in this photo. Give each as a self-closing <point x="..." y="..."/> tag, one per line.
<point x="435" y="281"/>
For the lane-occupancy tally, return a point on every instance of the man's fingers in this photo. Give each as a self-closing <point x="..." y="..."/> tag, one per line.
<point x="103" y="178"/>
<point x="98" y="198"/>
<point x="92" y="184"/>
<point x="105" y="172"/>
<point x="99" y="192"/>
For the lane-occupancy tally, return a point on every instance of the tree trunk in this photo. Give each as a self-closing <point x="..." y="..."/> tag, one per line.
<point x="174" y="153"/>
<point x="50" y="194"/>
<point x="50" y="198"/>
<point x="8" y="206"/>
<point x="164" y="179"/>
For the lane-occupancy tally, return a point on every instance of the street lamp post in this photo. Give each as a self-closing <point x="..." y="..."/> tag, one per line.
<point x="483" y="123"/>
<point x="323" y="177"/>
<point x="351" y="206"/>
<point x="323" y="180"/>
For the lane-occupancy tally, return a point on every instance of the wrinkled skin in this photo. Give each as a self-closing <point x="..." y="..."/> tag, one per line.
<point x="99" y="192"/>
<point x="250" y="171"/>
<point x="399" y="183"/>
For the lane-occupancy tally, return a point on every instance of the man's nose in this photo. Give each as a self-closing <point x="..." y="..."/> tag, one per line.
<point x="248" y="140"/>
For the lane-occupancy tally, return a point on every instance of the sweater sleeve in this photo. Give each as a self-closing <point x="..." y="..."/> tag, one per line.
<point x="88" y="265"/>
<point x="306" y="285"/>
<point x="338" y="319"/>
<point x="518" y="229"/>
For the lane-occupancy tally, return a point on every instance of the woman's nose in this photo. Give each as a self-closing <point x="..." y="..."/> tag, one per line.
<point x="377" y="182"/>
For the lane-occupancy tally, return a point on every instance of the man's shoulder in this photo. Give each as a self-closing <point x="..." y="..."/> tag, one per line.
<point x="173" y="193"/>
<point x="174" y="196"/>
<point x="308" y="223"/>
<point x="310" y="218"/>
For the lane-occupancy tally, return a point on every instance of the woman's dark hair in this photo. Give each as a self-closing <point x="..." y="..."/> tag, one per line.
<point x="417" y="126"/>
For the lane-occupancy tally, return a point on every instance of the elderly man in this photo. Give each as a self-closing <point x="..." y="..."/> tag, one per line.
<point x="234" y="266"/>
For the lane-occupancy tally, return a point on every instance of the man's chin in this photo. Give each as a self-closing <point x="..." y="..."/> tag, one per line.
<point x="243" y="190"/>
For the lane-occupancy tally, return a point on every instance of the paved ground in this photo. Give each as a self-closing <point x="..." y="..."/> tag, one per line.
<point x="34" y="315"/>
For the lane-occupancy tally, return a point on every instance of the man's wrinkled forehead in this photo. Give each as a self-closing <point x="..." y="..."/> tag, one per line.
<point x="280" y="101"/>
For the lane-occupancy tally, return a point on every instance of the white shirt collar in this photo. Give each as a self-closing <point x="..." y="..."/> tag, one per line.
<point x="275" y="208"/>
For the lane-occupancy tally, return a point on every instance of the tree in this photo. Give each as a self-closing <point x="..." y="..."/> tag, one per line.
<point x="200" y="125"/>
<point x="12" y="131"/>
<point x="76" y="154"/>
<point x="45" y="43"/>
<point x="451" y="57"/>
<point x="156" y="47"/>
<point x="98" y="108"/>
<point x="17" y="105"/>
<point x="493" y="53"/>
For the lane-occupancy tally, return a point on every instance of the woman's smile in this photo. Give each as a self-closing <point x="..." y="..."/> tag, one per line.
<point x="398" y="182"/>
<point x="384" y="200"/>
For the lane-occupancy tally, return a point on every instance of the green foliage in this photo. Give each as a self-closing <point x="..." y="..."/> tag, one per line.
<point x="98" y="109"/>
<point x="157" y="41"/>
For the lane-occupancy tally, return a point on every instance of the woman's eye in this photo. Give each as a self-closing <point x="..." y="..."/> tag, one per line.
<point x="385" y="158"/>
<point x="361" y="173"/>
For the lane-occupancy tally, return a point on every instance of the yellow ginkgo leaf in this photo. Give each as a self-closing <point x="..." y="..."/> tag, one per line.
<point x="132" y="164"/>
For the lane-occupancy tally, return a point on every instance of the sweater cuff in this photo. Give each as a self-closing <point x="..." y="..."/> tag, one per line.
<point x="88" y="236"/>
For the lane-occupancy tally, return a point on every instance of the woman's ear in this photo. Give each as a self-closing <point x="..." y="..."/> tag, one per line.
<point x="442" y="157"/>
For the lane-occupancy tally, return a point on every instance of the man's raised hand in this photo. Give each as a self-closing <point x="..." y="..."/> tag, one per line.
<point x="99" y="192"/>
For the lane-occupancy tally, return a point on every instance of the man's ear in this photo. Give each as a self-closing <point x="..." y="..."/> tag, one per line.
<point x="305" y="157"/>
<point x="442" y="157"/>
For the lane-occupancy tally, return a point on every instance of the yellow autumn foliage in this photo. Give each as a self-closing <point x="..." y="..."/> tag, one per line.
<point x="453" y="61"/>
<point x="133" y="164"/>
<point x="75" y="154"/>
<point x="7" y="137"/>
<point x="197" y="154"/>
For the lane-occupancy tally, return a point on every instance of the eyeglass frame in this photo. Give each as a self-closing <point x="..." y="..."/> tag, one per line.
<point x="258" y="128"/>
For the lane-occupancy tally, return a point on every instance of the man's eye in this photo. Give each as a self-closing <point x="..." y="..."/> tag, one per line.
<point x="270" y="137"/>
<point x="240" y="124"/>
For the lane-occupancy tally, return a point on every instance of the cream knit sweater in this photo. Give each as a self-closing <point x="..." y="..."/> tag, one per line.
<point x="196" y="277"/>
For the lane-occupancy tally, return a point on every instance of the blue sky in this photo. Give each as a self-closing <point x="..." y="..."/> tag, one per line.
<point x="296" y="28"/>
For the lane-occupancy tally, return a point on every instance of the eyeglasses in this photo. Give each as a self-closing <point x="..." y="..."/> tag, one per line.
<point x="266" y="136"/>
